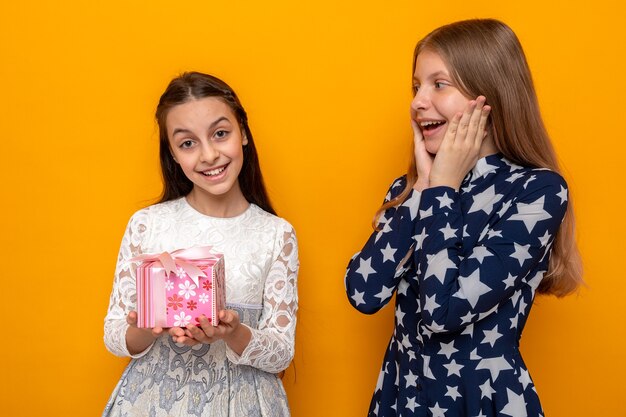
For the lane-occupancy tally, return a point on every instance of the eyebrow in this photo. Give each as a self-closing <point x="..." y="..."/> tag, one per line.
<point x="435" y="75"/>
<point x="211" y="126"/>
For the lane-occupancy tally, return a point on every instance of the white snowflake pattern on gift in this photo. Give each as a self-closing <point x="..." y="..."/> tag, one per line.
<point x="187" y="290"/>
<point x="203" y="298"/>
<point x="182" y="319"/>
<point x="169" y="285"/>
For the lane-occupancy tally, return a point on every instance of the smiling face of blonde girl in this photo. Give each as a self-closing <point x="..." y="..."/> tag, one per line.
<point x="437" y="98"/>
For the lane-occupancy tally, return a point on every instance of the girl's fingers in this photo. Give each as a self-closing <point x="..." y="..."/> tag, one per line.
<point x="417" y="132"/>
<point x="453" y="128"/>
<point x="186" y="341"/>
<point x="229" y="316"/>
<point x="176" y="331"/>
<point x="204" y="335"/>
<point x="474" y="133"/>
<point x="413" y="115"/>
<point x="206" y="326"/>
<point x="180" y="335"/>
<point x="471" y="124"/>
<point x="482" y="124"/>
<point x="131" y="319"/>
<point x="195" y="330"/>
<point x="196" y="333"/>
<point x="204" y="332"/>
<point x="465" y="122"/>
<point x="212" y="332"/>
<point x="224" y="316"/>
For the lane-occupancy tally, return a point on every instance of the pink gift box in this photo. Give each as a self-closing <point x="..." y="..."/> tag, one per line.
<point x="175" y="289"/>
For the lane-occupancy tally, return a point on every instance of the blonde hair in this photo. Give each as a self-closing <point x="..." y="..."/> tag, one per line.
<point x="484" y="57"/>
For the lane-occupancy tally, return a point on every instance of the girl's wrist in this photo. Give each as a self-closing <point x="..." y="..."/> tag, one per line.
<point x="238" y="339"/>
<point x="138" y="339"/>
<point x="234" y="335"/>
<point x="421" y="185"/>
<point x="446" y="182"/>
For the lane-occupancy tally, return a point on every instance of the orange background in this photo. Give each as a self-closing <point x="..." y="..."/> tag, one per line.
<point x="327" y="87"/>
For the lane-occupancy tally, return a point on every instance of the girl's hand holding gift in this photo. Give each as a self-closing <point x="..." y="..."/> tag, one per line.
<point x="229" y="329"/>
<point x="138" y="339"/>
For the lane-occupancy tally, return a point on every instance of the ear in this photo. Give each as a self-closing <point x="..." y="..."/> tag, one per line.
<point x="244" y="140"/>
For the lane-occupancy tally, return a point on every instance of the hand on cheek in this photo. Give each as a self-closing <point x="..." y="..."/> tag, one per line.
<point x="423" y="159"/>
<point x="460" y="148"/>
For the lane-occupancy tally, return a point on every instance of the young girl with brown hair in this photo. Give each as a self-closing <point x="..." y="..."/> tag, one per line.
<point x="213" y="195"/>
<point x="480" y="223"/>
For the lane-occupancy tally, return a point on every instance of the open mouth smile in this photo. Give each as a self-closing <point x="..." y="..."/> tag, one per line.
<point x="431" y="127"/>
<point x="214" y="172"/>
<point x="431" y="124"/>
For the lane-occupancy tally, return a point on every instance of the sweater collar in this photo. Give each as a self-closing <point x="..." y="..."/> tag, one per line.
<point x="489" y="163"/>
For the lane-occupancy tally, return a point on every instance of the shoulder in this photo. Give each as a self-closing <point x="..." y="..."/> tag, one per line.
<point x="522" y="181"/>
<point x="268" y="220"/>
<point x="280" y="232"/>
<point x="139" y="227"/>
<point x="164" y="209"/>
<point x="537" y="182"/>
<point x="396" y="187"/>
<point x="533" y="191"/>
<point x="148" y="214"/>
<point x="546" y="176"/>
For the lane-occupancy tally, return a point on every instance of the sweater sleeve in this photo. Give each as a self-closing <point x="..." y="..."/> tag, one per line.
<point x="124" y="294"/>
<point x="374" y="272"/>
<point x="271" y="347"/>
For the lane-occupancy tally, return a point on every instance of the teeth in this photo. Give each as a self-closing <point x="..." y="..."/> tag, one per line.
<point x="430" y="123"/>
<point x="214" y="171"/>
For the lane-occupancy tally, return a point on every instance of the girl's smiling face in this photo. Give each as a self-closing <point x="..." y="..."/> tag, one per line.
<point x="437" y="99"/>
<point x="206" y="141"/>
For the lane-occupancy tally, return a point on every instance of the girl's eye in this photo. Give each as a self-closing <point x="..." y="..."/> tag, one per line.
<point x="439" y="84"/>
<point x="221" y="134"/>
<point x="186" y="144"/>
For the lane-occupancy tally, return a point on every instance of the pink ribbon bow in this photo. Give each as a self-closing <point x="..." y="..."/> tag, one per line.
<point x="182" y="258"/>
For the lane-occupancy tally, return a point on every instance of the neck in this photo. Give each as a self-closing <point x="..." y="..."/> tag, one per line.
<point x="487" y="148"/>
<point x="231" y="204"/>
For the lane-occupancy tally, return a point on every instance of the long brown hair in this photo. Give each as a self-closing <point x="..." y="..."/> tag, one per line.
<point x="484" y="57"/>
<point x="194" y="86"/>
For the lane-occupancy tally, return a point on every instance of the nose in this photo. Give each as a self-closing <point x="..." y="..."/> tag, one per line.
<point x="209" y="153"/>
<point x="421" y="101"/>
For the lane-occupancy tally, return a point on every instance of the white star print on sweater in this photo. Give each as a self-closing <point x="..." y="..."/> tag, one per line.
<point x="464" y="294"/>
